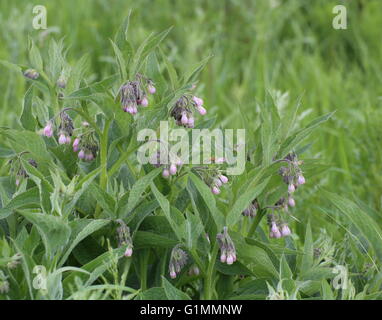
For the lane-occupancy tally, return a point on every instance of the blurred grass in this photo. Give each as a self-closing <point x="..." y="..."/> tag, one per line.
<point x="258" y="46"/>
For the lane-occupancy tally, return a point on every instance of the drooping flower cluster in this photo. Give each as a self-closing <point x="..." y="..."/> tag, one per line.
<point x="65" y="130"/>
<point x="251" y="211"/>
<point x="277" y="227"/>
<point x="212" y="177"/>
<point x="183" y="110"/>
<point x="18" y="170"/>
<point x="178" y="260"/>
<point x="133" y="94"/>
<point x="86" y="145"/>
<point x="227" y="247"/>
<point x="170" y="169"/>
<point x="292" y="176"/>
<point x="124" y="238"/>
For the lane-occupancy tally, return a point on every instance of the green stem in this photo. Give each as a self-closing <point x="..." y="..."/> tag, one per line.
<point x="103" y="160"/>
<point x="256" y="222"/>
<point x="208" y="283"/>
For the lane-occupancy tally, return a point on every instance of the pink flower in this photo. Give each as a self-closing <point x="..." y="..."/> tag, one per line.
<point x="151" y="89"/>
<point x="76" y="143"/>
<point x="48" y="130"/>
<point x="223" y="258"/>
<point x="197" y="101"/>
<point x="215" y="190"/>
<point x="172" y="274"/>
<point x="230" y="259"/>
<point x="218" y="182"/>
<point x="173" y="169"/>
<point x="201" y="110"/>
<point x="62" y="139"/>
<point x="144" y="102"/>
<point x="300" y="179"/>
<point x="291" y="202"/>
<point x="285" y="231"/>
<point x="291" y="188"/>
<point x="165" y="173"/>
<point x="223" y="179"/>
<point x="81" y="154"/>
<point x="128" y="252"/>
<point x="68" y="140"/>
<point x="184" y="119"/>
<point x="89" y="157"/>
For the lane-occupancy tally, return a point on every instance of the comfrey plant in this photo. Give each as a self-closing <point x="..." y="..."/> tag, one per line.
<point x="75" y="162"/>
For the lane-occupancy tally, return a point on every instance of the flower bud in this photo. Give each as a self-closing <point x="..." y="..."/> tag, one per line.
<point x="62" y="139"/>
<point x="184" y="119"/>
<point x="223" y="258"/>
<point x="172" y="274"/>
<point x="31" y="74"/>
<point x="76" y="143"/>
<point x="81" y="154"/>
<point x="223" y="178"/>
<point x="144" y="102"/>
<point x="61" y="83"/>
<point x="48" y="130"/>
<point x="201" y="110"/>
<point x="291" y="202"/>
<point x="215" y="190"/>
<point x="151" y="89"/>
<point x="291" y="188"/>
<point x="285" y="231"/>
<point x="173" y="169"/>
<point x="197" y="101"/>
<point x="218" y="182"/>
<point x="128" y="252"/>
<point x="300" y="179"/>
<point x="165" y="173"/>
<point x="68" y="140"/>
<point x="229" y="259"/>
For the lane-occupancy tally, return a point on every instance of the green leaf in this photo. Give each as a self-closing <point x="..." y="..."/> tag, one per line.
<point x="174" y="219"/>
<point x="90" y="227"/>
<point x="301" y="135"/>
<point x="27" y="119"/>
<point x="255" y="187"/>
<point x="145" y="239"/>
<point x="120" y="61"/>
<point x="209" y="199"/>
<point x="360" y="219"/>
<point x="139" y="187"/>
<point x="150" y="43"/>
<point x="29" y="198"/>
<point x="35" y="56"/>
<point x="54" y="231"/>
<point x="173" y="293"/>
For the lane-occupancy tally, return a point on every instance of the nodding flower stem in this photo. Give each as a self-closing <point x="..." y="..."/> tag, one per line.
<point x="256" y="222"/>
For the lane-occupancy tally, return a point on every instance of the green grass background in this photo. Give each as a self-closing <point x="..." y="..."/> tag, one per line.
<point x="258" y="46"/>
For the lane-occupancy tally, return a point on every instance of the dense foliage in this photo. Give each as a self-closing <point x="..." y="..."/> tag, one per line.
<point x="82" y="218"/>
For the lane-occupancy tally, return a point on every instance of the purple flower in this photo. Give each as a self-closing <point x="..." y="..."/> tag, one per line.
<point x="291" y="188"/>
<point x="223" y="178"/>
<point x="48" y="130"/>
<point x="81" y="154"/>
<point x="151" y="89"/>
<point x="201" y="110"/>
<point x="300" y="179"/>
<point x="285" y="231"/>
<point x="76" y="143"/>
<point x="215" y="190"/>
<point x="144" y="102"/>
<point x="62" y="139"/>
<point x="173" y="169"/>
<point x="165" y="173"/>
<point x="291" y="202"/>
<point x="128" y="252"/>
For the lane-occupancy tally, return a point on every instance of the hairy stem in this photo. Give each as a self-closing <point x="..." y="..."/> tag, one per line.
<point x="208" y="283"/>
